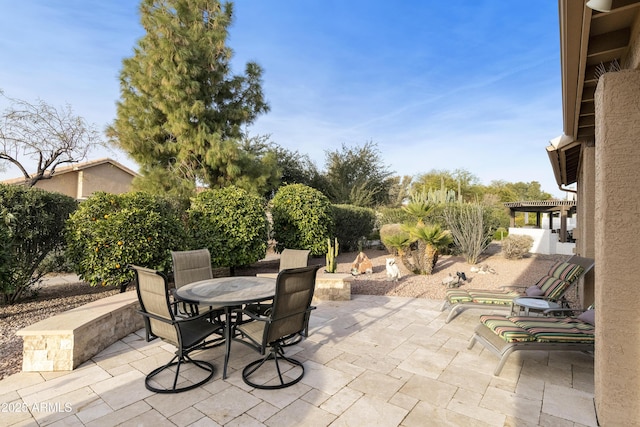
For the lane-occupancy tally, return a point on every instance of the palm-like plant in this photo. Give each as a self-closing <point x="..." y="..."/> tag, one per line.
<point x="399" y="242"/>
<point x="419" y="210"/>
<point x="431" y="238"/>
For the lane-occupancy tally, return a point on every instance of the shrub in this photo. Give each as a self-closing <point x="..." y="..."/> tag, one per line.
<point x="301" y="219"/>
<point x="110" y="231"/>
<point x="56" y="262"/>
<point x="500" y="234"/>
<point x="470" y="227"/>
<point x="393" y="216"/>
<point x="231" y="223"/>
<point x="5" y="252"/>
<point x="352" y="224"/>
<point x="516" y="246"/>
<point x="34" y="221"/>
<point x="394" y="238"/>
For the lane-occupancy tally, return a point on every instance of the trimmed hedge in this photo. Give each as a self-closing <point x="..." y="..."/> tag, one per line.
<point x="231" y="223"/>
<point x="34" y="221"/>
<point x="110" y="231"/>
<point x="352" y="224"/>
<point x="302" y="219"/>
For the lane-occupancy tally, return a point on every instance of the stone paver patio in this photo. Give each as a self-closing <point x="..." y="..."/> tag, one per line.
<point x="371" y="361"/>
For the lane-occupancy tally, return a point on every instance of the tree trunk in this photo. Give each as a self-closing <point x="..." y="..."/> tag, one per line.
<point x="430" y="258"/>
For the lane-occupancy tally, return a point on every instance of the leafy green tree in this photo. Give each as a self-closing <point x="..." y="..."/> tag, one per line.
<point x="463" y="182"/>
<point x="182" y="112"/>
<point x="399" y="190"/>
<point x="297" y="168"/>
<point x="264" y="160"/>
<point x="518" y="191"/>
<point x="357" y="176"/>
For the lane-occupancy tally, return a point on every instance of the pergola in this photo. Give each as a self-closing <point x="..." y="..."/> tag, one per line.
<point x="565" y="208"/>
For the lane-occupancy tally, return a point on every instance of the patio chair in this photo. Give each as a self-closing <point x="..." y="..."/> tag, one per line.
<point x="188" y="267"/>
<point x="290" y="258"/>
<point x="187" y="334"/>
<point x="552" y="287"/>
<point x="503" y="335"/>
<point x="268" y="334"/>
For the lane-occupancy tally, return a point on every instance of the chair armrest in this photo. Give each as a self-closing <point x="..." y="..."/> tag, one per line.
<point x="174" y="294"/>
<point x="153" y="316"/>
<point x="189" y="307"/>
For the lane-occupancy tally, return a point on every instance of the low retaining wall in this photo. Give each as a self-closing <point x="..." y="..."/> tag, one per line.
<point x="333" y="287"/>
<point x="64" y="341"/>
<point x="329" y="286"/>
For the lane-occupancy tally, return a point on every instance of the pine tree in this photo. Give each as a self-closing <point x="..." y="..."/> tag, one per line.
<point x="182" y="113"/>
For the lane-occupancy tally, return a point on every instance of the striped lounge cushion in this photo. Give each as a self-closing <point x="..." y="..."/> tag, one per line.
<point x="553" y="329"/>
<point x="552" y="287"/>
<point x="566" y="271"/>
<point x="455" y="296"/>
<point x="495" y="297"/>
<point x="506" y="329"/>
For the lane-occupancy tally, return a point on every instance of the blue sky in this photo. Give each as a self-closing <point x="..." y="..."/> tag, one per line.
<point x="458" y="84"/>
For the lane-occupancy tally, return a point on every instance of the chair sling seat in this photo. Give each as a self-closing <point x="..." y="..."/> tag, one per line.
<point x="254" y="331"/>
<point x="289" y="258"/>
<point x="186" y="334"/>
<point x="193" y="266"/>
<point x="287" y="318"/>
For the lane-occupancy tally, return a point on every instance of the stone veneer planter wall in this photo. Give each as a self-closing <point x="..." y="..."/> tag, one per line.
<point x="64" y="341"/>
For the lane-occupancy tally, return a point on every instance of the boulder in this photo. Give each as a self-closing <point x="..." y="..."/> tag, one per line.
<point x="361" y="265"/>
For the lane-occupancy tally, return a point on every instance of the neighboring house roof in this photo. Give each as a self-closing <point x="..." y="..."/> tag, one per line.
<point x="78" y="167"/>
<point x="589" y="41"/>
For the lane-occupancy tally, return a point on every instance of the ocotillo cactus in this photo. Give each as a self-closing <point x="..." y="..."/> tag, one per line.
<point x="332" y="253"/>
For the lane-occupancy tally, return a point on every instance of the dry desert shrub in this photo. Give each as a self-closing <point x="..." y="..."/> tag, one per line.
<point x="516" y="246"/>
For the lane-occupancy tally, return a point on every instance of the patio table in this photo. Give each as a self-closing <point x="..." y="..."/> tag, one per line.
<point x="229" y="292"/>
<point x="537" y="304"/>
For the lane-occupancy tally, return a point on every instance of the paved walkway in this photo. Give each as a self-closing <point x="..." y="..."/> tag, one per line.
<point x="371" y="361"/>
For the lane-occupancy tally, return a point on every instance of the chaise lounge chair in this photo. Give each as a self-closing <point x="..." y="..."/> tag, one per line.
<point x="503" y="335"/>
<point x="552" y="287"/>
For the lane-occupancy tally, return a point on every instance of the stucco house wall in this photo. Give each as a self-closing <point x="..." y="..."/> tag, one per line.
<point x="64" y="183"/>
<point x="617" y="248"/>
<point x="601" y="117"/>
<point x="104" y="177"/>
<point x="83" y="179"/>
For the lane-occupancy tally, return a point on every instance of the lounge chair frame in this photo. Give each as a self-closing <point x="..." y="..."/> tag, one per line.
<point x="503" y="349"/>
